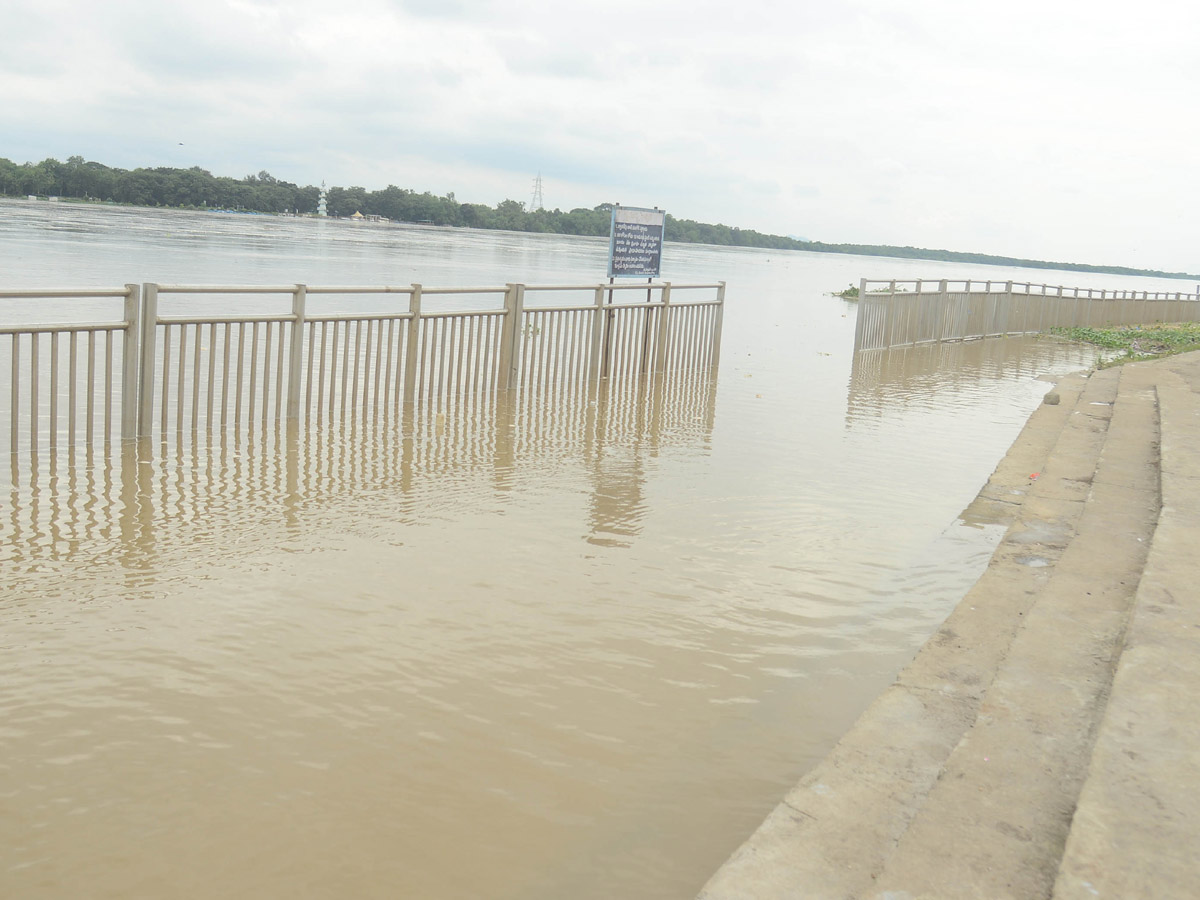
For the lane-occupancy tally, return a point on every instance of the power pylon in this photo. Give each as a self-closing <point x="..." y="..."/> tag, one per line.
<point x="537" y="203"/>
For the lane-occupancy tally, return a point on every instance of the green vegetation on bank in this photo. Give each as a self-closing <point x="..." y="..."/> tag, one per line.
<point x="1134" y="342"/>
<point x="197" y="188"/>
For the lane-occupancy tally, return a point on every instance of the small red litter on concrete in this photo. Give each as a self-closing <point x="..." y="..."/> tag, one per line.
<point x="1033" y="477"/>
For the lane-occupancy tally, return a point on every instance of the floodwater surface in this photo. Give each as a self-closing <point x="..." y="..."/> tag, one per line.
<point x="528" y="650"/>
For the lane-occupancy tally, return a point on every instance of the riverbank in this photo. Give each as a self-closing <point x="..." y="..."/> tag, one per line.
<point x="1042" y="742"/>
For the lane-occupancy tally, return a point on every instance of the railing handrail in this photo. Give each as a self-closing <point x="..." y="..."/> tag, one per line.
<point x="63" y="293"/>
<point x="970" y="285"/>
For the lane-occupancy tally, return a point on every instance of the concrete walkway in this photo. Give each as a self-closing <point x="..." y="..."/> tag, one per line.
<point x="1045" y="742"/>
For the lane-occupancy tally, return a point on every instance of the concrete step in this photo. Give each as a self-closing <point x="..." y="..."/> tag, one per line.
<point x="1134" y="832"/>
<point x="995" y="823"/>
<point x="840" y="828"/>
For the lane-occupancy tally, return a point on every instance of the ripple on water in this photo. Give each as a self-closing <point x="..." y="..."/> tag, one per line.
<point x="596" y="657"/>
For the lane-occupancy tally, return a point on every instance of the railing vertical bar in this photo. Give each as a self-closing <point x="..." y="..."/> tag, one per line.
<point x="196" y="369"/>
<point x="268" y="344"/>
<point x="405" y="348"/>
<point x="462" y="380"/>
<point x="694" y="345"/>
<point x="239" y="377"/>
<point x="72" y="389"/>
<point x="108" y="384"/>
<point x="165" y="384"/>
<point x="346" y="361"/>
<point x="279" y="384"/>
<point x="333" y="368"/>
<point x="250" y="397"/>
<point x="541" y="336"/>
<point x="308" y="374"/>
<point x="181" y="381"/>
<point x="438" y="364"/>
<point x="443" y="362"/>
<point x="378" y="366"/>
<point x="53" y="426"/>
<point x="695" y="351"/>
<point x="34" y="403"/>
<point x="212" y="373"/>
<point x="625" y="373"/>
<point x="449" y="349"/>
<point x="560" y="348"/>
<point x="352" y="394"/>
<point x="635" y="343"/>
<point x="423" y="357"/>
<point x="90" y="406"/>
<point x="463" y="360"/>
<point x="696" y="329"/>
<point x="446" y="363"/>
<point x="570" y="363"/>
<point x="321" y="375"/>
<point x="478" y="347"/>
<point x="495" y="354"/>
<point x="387" y="369"/>
<point x="228" y="331"/>
<point x="15" y="399"/>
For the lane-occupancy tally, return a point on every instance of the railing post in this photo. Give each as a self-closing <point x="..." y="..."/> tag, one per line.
<point x="660" y="349"/>
<point x="514" y="362"/>
<point x="860" y="320"/>
<point x="594" y="360"/>
<point x="129" y="363"/>
<point x="145" y="418"/>
<point x="509" y="363"/>
<point x="411" y="349"/>
<point x="296" y="351"/>
<point x="716" y="349"/>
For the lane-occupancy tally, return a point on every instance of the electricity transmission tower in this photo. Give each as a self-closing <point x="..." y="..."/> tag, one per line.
<point x="537" y="203"/>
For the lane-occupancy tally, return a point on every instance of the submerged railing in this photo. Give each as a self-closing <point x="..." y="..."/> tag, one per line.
<point x="902" y="313"/>
<point x="268" y="355"/>
<point x="142" y="503"/>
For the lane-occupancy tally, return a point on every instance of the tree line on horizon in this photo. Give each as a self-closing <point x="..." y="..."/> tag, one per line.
<point x="197" y="188"/>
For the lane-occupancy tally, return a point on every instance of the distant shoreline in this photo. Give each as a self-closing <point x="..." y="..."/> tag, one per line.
<point x="734" y="237"/>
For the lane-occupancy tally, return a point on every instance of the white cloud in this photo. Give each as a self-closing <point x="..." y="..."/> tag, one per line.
<point x="1057" y="130"/>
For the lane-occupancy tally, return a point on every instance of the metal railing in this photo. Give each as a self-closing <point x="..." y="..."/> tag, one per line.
<point x="902" y="313"/>
<point x="172" y="374"/>
<point x="72" y="381"/>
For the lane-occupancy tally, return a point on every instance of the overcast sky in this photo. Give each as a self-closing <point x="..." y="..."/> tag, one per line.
<point x="1052" y="130"/>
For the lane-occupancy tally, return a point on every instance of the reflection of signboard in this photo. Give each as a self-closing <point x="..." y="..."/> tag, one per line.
<point x="635" y="242"/>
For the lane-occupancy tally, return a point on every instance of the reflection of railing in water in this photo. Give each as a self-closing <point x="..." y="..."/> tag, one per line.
<point x="175" y="377"/>
<point x="880" y="380"/>
<point x="81" y="502"/>
<point x="900" y="313"/>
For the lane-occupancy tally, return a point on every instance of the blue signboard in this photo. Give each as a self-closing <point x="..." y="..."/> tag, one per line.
<point x="635" y="242"/>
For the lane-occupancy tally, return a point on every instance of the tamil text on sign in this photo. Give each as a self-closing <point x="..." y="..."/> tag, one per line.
<point x="635" y="244"/>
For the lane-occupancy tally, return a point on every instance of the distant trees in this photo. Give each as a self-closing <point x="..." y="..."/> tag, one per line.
<point x="194" y="187"/>
<point x="199" y="188"/>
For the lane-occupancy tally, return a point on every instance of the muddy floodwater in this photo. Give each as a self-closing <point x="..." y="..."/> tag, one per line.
<point x="565" y="649"/>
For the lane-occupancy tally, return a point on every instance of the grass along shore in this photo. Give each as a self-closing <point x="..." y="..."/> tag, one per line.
<point x="1129" y="343"/>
